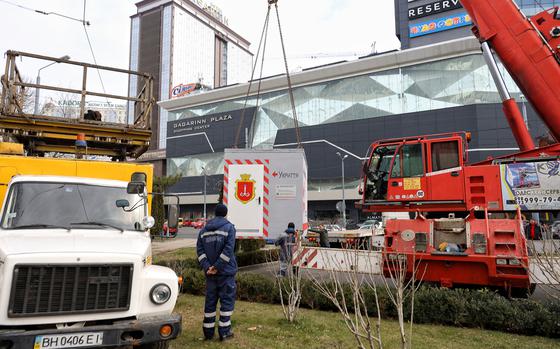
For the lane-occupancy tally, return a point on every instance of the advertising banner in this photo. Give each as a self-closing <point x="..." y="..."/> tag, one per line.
<point x="439" y="24"/>
<point x="207" y="134"/>
<point x="531" y="185"/>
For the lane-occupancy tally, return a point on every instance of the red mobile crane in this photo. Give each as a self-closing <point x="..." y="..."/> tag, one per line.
<point x="476" y="208"/>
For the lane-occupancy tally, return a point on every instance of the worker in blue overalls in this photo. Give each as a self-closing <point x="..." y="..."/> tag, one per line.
<point x="214" y="247"/>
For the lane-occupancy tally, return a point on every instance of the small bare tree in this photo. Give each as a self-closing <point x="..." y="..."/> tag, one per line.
<point x="26" y="97"/>
<point x="289" y="284"/>
<point x="346" y="291"/>
<point x="68" y="106"/>
<point x="401" y="286"/>
<point x="544" y="265"/>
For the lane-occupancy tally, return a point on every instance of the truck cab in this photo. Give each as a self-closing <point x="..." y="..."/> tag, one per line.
<point x="423" y="172"/>
<point x="75" y="266"/>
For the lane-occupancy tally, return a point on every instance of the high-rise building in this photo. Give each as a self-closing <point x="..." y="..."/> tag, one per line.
<point x="183" y="42"/>
<point x="423" y="22"/>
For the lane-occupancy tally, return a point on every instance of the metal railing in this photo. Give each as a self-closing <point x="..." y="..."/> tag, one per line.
<point x="15" y="89"/>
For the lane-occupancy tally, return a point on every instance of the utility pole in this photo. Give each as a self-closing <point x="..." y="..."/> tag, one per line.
<point x="342" y="157"/>
<point x="204" y="173"/>
<point x="38" y="82"/>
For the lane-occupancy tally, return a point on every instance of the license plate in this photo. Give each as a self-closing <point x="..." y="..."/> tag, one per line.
<point x="74" y="340"/>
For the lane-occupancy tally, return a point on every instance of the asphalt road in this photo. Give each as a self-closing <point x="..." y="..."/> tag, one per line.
<point x="188" y="233"/>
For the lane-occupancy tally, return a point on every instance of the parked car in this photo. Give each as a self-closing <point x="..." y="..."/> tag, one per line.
<point x="333" y="227"/>
<point x="555" y="229"/>
<point x="368" y="222"/>
<point x="171" y="233"/>
<point x="198" y="223"/>
<point x="187" y="222"/>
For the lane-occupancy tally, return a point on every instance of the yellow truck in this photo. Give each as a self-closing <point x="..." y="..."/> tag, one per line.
<point x="75" y="256"/>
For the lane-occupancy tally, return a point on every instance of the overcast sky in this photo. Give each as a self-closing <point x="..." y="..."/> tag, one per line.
<point x="310" y="28"/>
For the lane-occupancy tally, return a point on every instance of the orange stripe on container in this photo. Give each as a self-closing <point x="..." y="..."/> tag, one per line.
<point x="265" y="189"/>
<point x="300" y="256"/>
<point x="311" y="257"/>
<point x="239" y="162"/>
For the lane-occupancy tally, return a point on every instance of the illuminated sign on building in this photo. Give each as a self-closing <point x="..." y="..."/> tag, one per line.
<point x="439" y="24"/>
<point x="433" y="8"/>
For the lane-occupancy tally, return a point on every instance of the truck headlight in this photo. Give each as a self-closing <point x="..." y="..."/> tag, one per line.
<point x="148" y="222"/>
<point x="501" y="261"/>
<point x="160" y="294"/>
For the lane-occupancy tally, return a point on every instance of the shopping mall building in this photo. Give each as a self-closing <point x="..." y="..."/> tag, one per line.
<point x="343" y="107"/>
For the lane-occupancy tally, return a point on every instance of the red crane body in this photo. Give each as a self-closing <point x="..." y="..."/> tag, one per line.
<point x="468" y="228"/>
<point x="525" y="48"/>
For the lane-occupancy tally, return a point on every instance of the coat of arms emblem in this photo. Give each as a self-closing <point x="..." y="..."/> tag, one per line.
<point x="245" y="189"/>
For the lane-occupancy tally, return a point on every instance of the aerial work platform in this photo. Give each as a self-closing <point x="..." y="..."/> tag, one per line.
<point x="56" y="132"/>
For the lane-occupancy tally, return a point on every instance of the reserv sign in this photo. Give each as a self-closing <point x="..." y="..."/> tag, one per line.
<point x="433" y="8"/>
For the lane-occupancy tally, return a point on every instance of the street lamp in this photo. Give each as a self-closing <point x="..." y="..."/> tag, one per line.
<point x="38" y="81"/>
<point x="342" y="157"/>
<point x="204" y="173"/>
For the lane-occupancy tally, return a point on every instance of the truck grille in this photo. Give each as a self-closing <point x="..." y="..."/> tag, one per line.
<point x="39" y="290"/>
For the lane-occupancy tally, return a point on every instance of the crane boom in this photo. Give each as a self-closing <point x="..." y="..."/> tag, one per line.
<point x="525" y="48"/>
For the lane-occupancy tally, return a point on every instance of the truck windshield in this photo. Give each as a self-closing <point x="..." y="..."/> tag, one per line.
<point x="67" y="205"/>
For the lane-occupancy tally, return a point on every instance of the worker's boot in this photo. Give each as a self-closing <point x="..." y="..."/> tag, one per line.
<point x="226" y="336"/>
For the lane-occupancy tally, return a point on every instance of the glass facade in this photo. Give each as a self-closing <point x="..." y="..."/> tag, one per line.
<point x="435" y="85"/>
<point x="531" y="7"/>
<point x="133" y="79"/>
<point x="165" y="71"/>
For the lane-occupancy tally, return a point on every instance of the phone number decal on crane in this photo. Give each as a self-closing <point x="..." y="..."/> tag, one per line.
<point x="522" y="200"/>
<point x="531" y="185"/>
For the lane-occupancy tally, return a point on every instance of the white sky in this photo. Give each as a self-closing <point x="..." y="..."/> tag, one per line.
<point x="310" y="27"/>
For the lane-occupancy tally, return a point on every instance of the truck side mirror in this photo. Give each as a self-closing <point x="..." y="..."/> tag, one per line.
<point x="135" y="187"/>
<point x="173" y="219"/>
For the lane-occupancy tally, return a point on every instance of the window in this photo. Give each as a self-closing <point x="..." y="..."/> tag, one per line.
<point x="445" y="155"/>
<point x="408" y="162"/>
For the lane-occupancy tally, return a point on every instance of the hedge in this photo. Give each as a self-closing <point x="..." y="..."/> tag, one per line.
<point x="243" y="259"/>
<point x="452" y="307"/>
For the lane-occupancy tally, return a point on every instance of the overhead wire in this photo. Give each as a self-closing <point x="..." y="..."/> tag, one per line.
<point x="45" y="12"/>
<point x="93" y="53"/>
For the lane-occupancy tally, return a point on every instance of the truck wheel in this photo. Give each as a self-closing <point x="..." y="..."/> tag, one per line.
<point x="522" y="292"/>
<point x="158" y="345"/>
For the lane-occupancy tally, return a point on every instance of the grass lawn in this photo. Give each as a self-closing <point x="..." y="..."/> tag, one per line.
<point x="319" y="329"/>
<point x="181" y="253"/>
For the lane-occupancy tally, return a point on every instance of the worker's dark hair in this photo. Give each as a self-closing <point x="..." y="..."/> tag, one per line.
<point x="221" y="210"/>
<point x="291" y="225"/>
